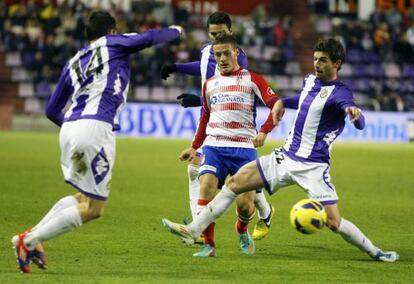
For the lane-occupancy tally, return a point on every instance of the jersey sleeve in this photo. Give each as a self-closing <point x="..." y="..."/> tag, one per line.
<point x="344" y="99"/>
<point x="200" y="135"/>
<point x="190" y="68"/>
<point x="133" y="42"/>
<point x="60" y="97"/>
<point x="291" y="102"/>
<point x="242" y="59"/>
<point x="268" y="97"/>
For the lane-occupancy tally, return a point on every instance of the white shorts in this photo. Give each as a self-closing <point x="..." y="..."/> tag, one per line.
<point x="88" y="155"/>
<point x="278" y="170"/>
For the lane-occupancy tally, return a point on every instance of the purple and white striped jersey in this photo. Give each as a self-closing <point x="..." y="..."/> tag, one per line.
<point x="96" y="79"/>
<point x="319" y="120"/>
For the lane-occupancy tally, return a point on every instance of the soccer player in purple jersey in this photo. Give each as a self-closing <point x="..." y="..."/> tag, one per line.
<point x="218" y="23"/>
<point x="95" y="81"/>
<point x="322" y="107"/>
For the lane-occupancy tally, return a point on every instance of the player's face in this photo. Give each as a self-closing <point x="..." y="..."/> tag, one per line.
<point x="226" y="57"/>
<point x="216" y="29"/>
<point x="325" y="69"/>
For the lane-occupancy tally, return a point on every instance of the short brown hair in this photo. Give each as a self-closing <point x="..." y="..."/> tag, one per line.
<point x="225" y="38"/>
<point x="333" y="48"/>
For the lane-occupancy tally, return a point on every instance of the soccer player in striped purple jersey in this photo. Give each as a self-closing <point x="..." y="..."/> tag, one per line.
<point x="322" y="107"/>
<point x="218" y="23"/>
<point x="95" y="82"/>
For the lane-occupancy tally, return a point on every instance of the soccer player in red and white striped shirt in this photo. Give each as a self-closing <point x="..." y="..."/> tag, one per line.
<point x="227" y="131"/>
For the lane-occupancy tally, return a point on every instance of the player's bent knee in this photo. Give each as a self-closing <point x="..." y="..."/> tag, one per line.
<point x="96" y="209"/>
<point x="81" y="197"/>
<point x="232" y="183"/>
<point x="95" y="213"/>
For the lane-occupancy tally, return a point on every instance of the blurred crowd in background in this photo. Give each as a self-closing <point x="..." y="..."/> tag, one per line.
<point x="40" y="36"/>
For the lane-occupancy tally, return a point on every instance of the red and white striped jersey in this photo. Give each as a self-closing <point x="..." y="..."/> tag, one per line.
<point x="229" y="104"/>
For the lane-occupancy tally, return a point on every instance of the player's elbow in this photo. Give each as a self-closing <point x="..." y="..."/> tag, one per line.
<point x="50" y="113"/>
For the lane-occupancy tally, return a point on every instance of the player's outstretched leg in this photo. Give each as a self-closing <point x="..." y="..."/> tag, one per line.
<point x="38" y="256"/>
<point x="386" y="256"/>
<point x="22" y="253"/>
<point x="200" y="239"/>
<point x="353" y="235"/>
<point x="262" y="227"/>
<point x="179" y="230"/>
<point x="24" y="256"/>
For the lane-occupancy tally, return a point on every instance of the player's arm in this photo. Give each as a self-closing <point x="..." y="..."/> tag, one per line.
<point x="190" y="100"/>
<point x="269" y="98"/>
<point x="344" y="100"/>
<point x="189" y="68"/>
<point x="291" y="102"/>
<point x="278" y="109"/>
<point x="356" y="116"/>
<point x="189" y="153"/>
<point x="200" y="135"/>
<point x="59" y="98"/>
<point x="133" y="42"/>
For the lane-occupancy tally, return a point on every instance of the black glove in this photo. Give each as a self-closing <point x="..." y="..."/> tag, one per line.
<point x="189" y="100"/>
<point x="166" y="70"/>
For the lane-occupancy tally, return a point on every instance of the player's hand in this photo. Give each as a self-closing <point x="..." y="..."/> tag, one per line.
<point x="166" y="70"/>
<point x="259" y="139"/>
<point x="278" y="111"/>
<point x="188" y="154"/>
<point x="353" y="112"/>
<point x="189" y="100"/>
<point x="178" y="28"/>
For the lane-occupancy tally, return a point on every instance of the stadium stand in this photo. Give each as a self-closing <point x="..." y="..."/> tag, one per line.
<point x="380" y="52"/>
<point x="37" y="38"/>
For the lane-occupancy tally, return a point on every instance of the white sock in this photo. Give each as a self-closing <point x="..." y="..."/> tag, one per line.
<point x="217" y="207"/>
<point x="262" y="206"/>
<point x="200" y="208"/>
<point x="63" y="203"/>
<point x="193" y="188"/>
<point x="64" y="221"/>
<point x="354" y="236"/>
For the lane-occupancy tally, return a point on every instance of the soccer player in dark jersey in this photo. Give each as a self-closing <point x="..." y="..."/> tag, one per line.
<point x="322" y="107"/>
<point x="95" y="82"/>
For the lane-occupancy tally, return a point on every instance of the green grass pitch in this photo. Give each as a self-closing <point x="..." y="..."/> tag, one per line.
<point x="375" y="184"/>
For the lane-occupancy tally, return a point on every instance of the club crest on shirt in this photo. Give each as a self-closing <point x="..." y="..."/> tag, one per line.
<point x="323" y="93"/>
